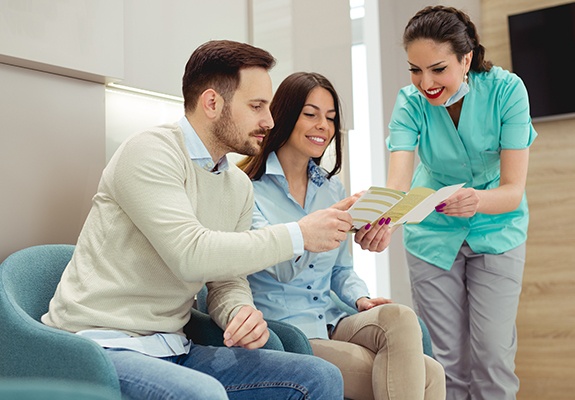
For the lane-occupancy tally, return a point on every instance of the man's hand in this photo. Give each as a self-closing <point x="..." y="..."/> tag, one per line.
<point x="247" y="329"/>
<point x="324" y="230"/>
<point x="374" y="237"/>
<point x="363" y="303"/>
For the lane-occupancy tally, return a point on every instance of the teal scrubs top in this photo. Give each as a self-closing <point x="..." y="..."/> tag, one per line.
<point x="494" y="116"/>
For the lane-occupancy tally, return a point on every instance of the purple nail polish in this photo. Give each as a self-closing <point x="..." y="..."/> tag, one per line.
<point x="382" y="221"/>
<point x="367" y="227"/>
<point x="439" y="208"/>
<point x="388" y="221"/>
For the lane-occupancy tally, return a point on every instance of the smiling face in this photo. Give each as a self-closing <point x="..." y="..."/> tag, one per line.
<point x="435" y="70"/>
<point x="315" y="126"/>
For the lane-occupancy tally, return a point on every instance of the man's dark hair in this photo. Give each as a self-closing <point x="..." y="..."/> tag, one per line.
<point x="216" y="64"/>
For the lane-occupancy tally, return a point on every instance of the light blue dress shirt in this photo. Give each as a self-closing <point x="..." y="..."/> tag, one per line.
<point x="298" y="291"/>
<point x="198" y="151"/>
<point x="172" y="344"/>
<point x="494" y="117"/>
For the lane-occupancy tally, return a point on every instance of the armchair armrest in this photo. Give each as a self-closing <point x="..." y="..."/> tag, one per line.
<point x="51" y="353"/>
<point x="202" y="330"/>
<point x="292" y="338"/>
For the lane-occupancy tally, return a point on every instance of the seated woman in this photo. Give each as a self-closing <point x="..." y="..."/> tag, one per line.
<point x="378" y="350"/>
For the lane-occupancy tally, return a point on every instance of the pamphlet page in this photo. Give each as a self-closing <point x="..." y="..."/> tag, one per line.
<point x="411" y="207"/>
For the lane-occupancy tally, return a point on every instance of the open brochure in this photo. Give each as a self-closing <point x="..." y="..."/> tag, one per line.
<point x="403" y="208"/>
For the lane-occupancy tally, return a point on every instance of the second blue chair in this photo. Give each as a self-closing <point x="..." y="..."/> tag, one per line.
<point x="294" y="340"/>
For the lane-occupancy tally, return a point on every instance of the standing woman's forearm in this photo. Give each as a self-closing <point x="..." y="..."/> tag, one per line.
<point x="511" y="188"/>
<point x="400" y="171"/>
<point x="466" y="202"/>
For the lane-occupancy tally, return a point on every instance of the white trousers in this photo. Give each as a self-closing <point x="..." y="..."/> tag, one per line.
<point x="470" y="312"/>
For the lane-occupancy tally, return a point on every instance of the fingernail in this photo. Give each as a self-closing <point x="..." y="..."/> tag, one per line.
<point x="388" y="221"/>
<point x="440" y="207"/>
<point x="382" y="221"/>
<point x="367" y="227"/>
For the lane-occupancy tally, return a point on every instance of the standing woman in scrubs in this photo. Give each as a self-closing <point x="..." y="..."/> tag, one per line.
<point x="469" y="121"/>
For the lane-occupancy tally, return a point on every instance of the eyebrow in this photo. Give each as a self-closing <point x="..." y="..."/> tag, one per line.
<point x="431" y="66"/>
<point x="264" y="101"/>
<point x="317" y="108"/>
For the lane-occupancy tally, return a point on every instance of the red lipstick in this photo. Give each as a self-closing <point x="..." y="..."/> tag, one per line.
<point x="434" y="96"/>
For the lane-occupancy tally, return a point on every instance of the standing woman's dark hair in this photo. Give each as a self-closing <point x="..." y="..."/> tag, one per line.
<point x="448" y="25"/>
<point x="286" y="108"/>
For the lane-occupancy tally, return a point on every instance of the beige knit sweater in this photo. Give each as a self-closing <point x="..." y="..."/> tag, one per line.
<point x="159" y="228"/>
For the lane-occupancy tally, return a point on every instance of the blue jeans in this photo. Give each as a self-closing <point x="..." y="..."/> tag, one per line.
<point x="208" y="373"/>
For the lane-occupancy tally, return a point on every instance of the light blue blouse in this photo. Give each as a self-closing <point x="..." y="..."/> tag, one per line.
<point x="297" y="291"/>
<point x="494" y="116"/>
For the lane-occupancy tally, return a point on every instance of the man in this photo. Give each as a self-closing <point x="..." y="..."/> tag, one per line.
<point x="170" y="215"/>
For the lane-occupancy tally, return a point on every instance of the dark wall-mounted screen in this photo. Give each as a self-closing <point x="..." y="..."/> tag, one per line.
<point x="543" y="55"/>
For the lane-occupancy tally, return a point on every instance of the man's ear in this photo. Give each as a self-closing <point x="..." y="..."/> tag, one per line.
<point x="212" y="103"/>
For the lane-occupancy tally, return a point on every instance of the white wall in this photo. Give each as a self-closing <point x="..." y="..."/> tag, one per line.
<point x="308" y="36"/>
<point x="81" y="38"/>
<point x="128" y="113"/>
<point x="51" y="156"/>
<point x="160" y="36"/>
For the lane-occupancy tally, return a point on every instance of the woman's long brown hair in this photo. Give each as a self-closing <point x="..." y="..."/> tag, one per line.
<point x="285" y="108"/>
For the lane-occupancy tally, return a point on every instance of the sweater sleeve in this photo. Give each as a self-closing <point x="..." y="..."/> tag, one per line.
<point x="225" y="298"/>
<point x="148" y="183"/>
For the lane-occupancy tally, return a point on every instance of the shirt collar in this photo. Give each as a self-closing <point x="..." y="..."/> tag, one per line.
<point x="315" y="173"/>
<point x="273" y="166"/>
<point x="198" y="151"/>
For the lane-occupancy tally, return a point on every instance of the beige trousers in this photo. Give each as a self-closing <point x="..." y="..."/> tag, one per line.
<point x="380" y="355"/>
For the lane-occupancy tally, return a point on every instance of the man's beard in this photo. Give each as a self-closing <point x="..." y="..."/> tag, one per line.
<point x="229" y="137"/>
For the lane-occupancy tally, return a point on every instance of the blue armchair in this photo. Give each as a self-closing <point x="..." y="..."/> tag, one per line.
<point x="295" y="341"/>
<point x="40" y="389"/>
<point x="30" y="349"/>
<point x="209" y="333"/>
<point x="203" y="330"/>
<point x="42" y="356"/>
